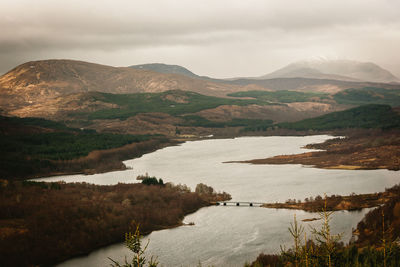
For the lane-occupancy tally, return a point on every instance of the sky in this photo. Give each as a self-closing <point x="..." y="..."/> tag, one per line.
<point x="216" y="38"/>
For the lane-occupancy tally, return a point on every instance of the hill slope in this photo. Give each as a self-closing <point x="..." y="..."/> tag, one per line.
<point x="367" y="116"/>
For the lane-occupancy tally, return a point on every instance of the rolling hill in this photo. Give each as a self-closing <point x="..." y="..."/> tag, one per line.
<point x="40" y="81"/>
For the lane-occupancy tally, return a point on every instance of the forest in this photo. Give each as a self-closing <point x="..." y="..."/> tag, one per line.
<point x="174" y="102"/>
<point x="51" y="222"/>
<point x="368" y="95"/>
<point x="34" y="147"/>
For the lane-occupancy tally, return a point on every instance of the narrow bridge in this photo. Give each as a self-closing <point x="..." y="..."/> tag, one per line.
<point x="238" y="203"/>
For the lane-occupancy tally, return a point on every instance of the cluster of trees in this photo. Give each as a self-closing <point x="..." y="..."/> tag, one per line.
<point x="208" y="193"/>
<point x="152" y="181"/>
<point x="47" y="223"/>
<point x="337" y="202"/>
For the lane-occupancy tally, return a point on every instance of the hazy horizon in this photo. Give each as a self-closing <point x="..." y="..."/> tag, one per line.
<point x="220" y="39"/>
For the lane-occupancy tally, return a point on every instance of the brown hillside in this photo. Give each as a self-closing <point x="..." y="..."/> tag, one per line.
<point x="37" y="82"/>
<point x="278" y="113"/>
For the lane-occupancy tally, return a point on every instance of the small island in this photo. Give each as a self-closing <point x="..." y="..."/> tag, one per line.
<point x="337" y="202"/>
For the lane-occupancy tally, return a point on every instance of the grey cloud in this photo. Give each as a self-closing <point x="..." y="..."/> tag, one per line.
<point x="242" y="29"/>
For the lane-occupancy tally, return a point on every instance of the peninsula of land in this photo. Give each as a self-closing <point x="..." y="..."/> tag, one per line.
<point x="364" y="149"/>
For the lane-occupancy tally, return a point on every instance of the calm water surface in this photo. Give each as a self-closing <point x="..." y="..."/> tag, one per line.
<point x="229" y="236"/>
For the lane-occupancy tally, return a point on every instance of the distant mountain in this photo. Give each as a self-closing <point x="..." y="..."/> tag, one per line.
<point x="345" y="70"/>
<point x="165" y="68"/>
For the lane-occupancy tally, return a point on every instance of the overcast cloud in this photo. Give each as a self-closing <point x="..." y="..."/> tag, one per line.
<point x="218" y="38"/>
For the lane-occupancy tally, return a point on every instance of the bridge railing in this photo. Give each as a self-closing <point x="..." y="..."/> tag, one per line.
<point x="238" y="203"/>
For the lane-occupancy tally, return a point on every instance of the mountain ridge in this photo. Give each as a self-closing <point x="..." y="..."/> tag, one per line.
<point x="346" y="70"/>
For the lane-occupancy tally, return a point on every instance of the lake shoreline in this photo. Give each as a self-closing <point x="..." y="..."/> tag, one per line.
<point x="103" y="161"/>
<point x="118" y="155"/>
<point x="114" y="157"/>
<point x="140" y="169"/>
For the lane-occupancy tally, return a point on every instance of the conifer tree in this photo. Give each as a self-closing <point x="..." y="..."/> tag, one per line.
<point x="326" y="240"/>
<point x="134" y="244"/>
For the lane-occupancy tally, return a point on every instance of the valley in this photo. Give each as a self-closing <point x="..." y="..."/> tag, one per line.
<point x="96" y="127"/>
